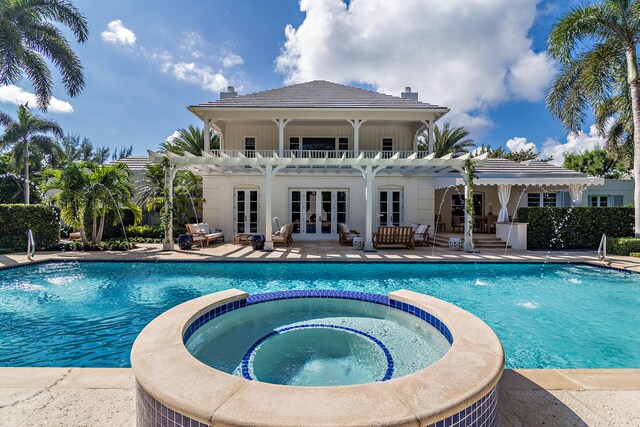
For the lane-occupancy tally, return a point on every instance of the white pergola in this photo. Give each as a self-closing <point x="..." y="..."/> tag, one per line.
<point x="269" y="166"/>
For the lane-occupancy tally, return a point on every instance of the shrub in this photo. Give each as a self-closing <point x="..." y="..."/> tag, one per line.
<point x="575" y="228"/>
<point x="105" y="245"/>
<point x="16" y="220"/>
<point x="145" y="231"/>
<point x="623" y="245"/>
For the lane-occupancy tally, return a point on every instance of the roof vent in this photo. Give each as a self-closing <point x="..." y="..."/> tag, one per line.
<point x="407" y="94"/>
<point x="230" y="93"/>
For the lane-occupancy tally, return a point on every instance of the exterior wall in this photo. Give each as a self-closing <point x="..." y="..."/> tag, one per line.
<point x="218" y="190"/>
<point x="370" y="137"/>
<point x="611" y="187"/>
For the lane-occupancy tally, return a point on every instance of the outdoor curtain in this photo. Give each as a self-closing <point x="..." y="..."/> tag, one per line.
<point x="575" y="192"/>
<point x="504" y="192"/>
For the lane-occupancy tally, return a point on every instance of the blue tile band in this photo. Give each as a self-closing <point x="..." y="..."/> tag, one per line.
<point x="350" y="295"/>
<point x="247" y="357"/>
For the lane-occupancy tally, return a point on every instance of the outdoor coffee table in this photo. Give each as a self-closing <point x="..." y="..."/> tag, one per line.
<point x="241" y="239"/>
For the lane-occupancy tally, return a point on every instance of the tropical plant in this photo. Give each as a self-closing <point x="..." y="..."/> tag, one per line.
<point x="89" y="190"/>
<point x="29" y="41"/>
<point x="598" y="162"/>
<point x="596" y="47"/>
<point x="516" y="156"/>
<point x="448" y="140"/>
<point x="75" y="150"/>
<point x="189" y="140"/>
<point x="29" y="131"/>
<point x="151" y="188"/>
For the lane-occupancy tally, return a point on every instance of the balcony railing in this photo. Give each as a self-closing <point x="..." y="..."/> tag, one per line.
<point x="317" y="154"/>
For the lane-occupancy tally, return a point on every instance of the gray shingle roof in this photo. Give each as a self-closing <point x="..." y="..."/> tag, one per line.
<point x="135" y="163"/>
<point x="319" y="94"/>
<point x="494" y="167"/>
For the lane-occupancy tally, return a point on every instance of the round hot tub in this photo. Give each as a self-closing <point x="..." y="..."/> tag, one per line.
<point x="317" y="358"/>
<point x="312" y="340"/>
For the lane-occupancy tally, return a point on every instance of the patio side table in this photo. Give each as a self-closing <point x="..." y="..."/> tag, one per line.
<point x="358" y="242"/>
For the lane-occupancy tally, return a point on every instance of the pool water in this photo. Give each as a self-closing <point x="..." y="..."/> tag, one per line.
<point x="546" y="315"/>
<point x="318" y="341"/>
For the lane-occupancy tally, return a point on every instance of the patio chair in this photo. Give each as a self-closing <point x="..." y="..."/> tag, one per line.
<point x="491" y="223"/>
<point x="421" y="235"/>
<point x="457" y="224"/>
<point x="440" y="224"/>
<point x="393" y="236"/>
<point x="346" y="235"/>
<point x="203" y="233"/>
<point x="283" y="236"/>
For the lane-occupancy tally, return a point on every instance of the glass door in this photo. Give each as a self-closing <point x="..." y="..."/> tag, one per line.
<point x="246" y="211"/>
<point x="317" y="212"/>
<point x="390" y="207"/>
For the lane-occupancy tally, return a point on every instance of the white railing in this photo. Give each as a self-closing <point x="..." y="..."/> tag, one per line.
<point x="31" y="245"/>
<point x="317" y="154"/>
<point x="602" y="249"/>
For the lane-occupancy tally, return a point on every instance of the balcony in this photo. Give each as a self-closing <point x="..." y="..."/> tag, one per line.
<point x="318" y="154"/>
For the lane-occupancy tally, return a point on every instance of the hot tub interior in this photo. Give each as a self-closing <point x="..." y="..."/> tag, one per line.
<point x="317" y="342"/>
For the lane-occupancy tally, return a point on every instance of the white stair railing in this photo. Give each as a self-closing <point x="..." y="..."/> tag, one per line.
<point x="31" y="245"/>
<point x="602" y="249"/>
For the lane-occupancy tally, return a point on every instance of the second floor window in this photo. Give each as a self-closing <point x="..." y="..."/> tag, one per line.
<point x="250" y="146"/>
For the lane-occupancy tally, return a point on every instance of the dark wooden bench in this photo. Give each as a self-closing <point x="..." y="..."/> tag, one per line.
<point x="393" y="236"/>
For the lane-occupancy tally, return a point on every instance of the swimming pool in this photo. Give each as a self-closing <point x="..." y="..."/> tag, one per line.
<point x="546" y="315"/>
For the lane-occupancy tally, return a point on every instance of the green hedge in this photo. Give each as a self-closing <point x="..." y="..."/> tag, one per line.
<point x="16" y="220"/>
<point x="623" y="245"/>
<point x="105" y="245"/>
<point x="574" y="228"/>
<point x="146" y="231"/>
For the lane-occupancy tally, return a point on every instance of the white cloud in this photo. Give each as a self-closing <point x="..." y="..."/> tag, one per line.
<point x="204" y="76"/>
<point x="575" y="143"/>
<point x="117" y="33"/>
<point x="232" y="60"/>
<point x="173" y="137"/>
<point x="193" y="42"/>
<point x="13" y="94"/>
<point x="521" y="144"/>
<point x="466" y="55"/>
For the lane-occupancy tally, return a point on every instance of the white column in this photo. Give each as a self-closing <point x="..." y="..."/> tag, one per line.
<point x="368" y="241"/>
<point x="356" y="123"/>
<point x="169" y="175"/>
<point x="430" y="135"/>
<point x="207" y="136"/>
<point x="281" y="123"/>
<point x="268" y="186"/>
<point x="468" y="227"/>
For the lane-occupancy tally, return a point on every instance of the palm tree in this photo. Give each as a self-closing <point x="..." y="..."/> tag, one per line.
<point x="189" y="140"/>
<point x="29" y="39"/>
<point x="449" y="141"/>
<point x="596" y="47"/>
<point x="89" y="190"/>
<point x="28" y="130"/>
<point x="151" y="188"/>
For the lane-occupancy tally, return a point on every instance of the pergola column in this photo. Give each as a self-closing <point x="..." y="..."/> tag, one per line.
<point x="369" y="175"/>
<point x="269" y="173"/>
<point x="468" y="218"/>
<point x="169" y="175"/>
<point x="356" y="123"/>
<point x="281" y="123"/>
<point x="430" y="135"/>
<point x="207" y="136"/>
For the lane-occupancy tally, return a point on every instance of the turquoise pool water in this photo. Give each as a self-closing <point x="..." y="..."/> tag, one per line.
<point x="547" y="316"/>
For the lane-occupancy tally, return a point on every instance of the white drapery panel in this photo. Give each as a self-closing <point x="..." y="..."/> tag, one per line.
<point x="575" y="192"/>
<point x="504" y="192"/>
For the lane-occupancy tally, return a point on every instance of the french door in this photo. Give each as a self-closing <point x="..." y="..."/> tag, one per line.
<point x="315" y="213"/>
<point x="390" y="208"/>
<point x="246" y="211"/>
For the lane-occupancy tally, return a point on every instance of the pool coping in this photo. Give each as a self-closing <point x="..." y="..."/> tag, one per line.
<point x="166" y="370"/>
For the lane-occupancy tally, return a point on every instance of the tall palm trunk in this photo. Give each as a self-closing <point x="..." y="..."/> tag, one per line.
<point x="26" y="172"/>
<point x="634" y="86"/>
<point x="94" y="230"/>
<point x="101" y="230"/>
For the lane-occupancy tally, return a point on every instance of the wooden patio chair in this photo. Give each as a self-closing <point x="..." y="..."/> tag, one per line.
<point x="421" y="235"/>
<point x="346" y="235"/>
<point x="393" y="236"/>
<point x="202" y="234"/>
<point x="284" y="237"/>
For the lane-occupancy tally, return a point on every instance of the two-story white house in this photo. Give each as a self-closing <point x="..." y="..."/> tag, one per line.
<point x="317" y="154"/>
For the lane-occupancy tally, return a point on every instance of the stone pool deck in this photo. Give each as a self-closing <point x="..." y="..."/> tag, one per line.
<point x="106" y="397"/>
<point x="536" y="397"/>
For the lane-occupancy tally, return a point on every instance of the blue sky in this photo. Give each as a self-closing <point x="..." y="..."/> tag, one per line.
<point x="146" y="62"/>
